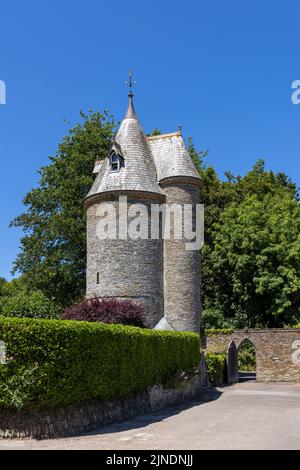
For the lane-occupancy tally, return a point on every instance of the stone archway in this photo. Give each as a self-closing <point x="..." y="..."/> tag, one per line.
<point x="277" y="352"/>
<point x="246" y="360"/>
<point x="232" y="363"/>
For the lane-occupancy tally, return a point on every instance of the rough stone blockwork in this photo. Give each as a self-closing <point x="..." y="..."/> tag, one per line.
<point x="130" y="269"/>
<point x="73" y="420"/>
<point x="277" y="351"/>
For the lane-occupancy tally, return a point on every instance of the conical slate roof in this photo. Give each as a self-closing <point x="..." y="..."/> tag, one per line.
<point x="171" y="157"/>
<point x="138" y="173"/>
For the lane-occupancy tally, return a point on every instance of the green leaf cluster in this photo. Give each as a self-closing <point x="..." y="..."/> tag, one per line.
<point x="53" y="248"/>
<point x="254" y="264"/>
<point x="251" y="256"/>
<point x="215" y="364"/>
<point x="17" y="299"/>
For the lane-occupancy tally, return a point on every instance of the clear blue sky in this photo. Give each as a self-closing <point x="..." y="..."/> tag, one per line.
<point x="223" y="70"/>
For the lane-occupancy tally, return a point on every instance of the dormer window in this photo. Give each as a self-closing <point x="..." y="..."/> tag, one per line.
<point x="115" y="162"/>
<point x="116" y="159"/>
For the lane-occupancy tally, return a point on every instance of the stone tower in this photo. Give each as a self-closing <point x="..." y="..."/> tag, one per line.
<point x="161" y="274"/>
<point x="181" y="183"/>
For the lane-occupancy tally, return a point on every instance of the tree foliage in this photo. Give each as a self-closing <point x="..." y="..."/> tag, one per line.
<point x="250" y="260"/>
<point x="53" y="249"/>
<point x="19" y="300"/>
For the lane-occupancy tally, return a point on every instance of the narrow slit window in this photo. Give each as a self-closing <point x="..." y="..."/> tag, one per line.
<point x="98" y="278"/>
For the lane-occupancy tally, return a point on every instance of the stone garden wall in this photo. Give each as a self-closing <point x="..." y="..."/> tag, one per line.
<point x="77" y="419"/>
<point x="277" y="351"/>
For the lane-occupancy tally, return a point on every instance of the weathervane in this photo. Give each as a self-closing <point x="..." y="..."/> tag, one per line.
<point x="130" y="83"/>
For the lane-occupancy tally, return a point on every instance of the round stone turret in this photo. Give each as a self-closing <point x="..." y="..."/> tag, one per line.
<point x="162" y="274"/>
<point x="120" y="267"/>
<point x="182" y="278"/>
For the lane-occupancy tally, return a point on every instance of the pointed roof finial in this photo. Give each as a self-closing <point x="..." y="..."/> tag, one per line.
<point x="130" y="83"/>
<point x="130" y="112"/>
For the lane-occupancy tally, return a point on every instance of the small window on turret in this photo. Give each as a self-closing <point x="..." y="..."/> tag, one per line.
<point x="115" y="162"/>
<point x="98" y="278"/>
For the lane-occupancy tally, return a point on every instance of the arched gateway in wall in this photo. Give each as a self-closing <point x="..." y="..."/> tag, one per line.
<point x="277" y="352"/>
<point x="232" y="363"/>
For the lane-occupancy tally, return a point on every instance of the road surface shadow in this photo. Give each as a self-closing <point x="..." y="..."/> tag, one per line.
<point x="207" y="395"/>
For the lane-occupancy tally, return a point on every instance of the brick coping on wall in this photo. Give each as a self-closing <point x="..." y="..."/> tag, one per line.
<point x="77" y="419"/>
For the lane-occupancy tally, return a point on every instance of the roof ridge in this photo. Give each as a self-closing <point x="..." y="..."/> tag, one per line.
<point x="164" y="136"/>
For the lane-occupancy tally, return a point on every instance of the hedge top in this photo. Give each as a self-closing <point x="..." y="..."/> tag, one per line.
<point x="10" y="324"/>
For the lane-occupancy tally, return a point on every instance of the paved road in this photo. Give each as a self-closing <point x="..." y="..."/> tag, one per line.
<point x="247" y="415"/>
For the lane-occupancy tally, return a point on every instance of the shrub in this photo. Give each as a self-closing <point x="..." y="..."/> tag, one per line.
<point x="25" y="305"/>
<point x="213" y="318"/>
<point x="17" y="299"/>
<point x="215" y="364"/>
<point x="125" y="312"/>
<point x="247" y="356"/>
<point x="247" y="361"/>
<point x="66" y="362"/>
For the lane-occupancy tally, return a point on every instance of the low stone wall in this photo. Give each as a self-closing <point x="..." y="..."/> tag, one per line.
<point x="277" y="351"/>
<point x="73" y="420"/>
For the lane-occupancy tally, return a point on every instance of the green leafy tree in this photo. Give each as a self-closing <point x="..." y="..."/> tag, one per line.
<point x="53" y="249"/>
<point x="218" y="196"/>
<point x="254" y="266"/>
<point x="18" y="300"/>
<point x="3" y="283"/>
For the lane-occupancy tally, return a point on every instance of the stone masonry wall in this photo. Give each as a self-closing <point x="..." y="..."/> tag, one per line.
<point x="128" y="269"/>
<point x="182" y="278"/>
<point x="277" y="351"/>
<point x="73" y="420"/>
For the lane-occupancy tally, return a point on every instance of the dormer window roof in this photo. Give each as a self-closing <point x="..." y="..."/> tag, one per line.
<point x="116" y="159"/>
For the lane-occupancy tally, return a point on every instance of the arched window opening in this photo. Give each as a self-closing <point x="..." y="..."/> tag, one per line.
<point x="246" y="361"/>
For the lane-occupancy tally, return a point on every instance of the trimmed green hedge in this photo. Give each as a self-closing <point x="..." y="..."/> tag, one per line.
<point x="215" y="364"/>
<point x="56" y="362"/>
